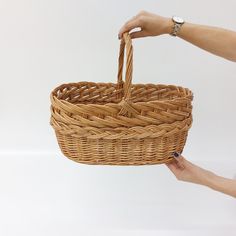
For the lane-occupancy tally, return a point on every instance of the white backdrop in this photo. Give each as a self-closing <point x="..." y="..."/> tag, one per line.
<point x="49" y="42"/>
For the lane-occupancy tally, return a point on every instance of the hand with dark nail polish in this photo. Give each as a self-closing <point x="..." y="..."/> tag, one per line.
<point x="185" y="170"/>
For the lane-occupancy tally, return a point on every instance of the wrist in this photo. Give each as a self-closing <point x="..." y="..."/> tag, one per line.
<point x="210" y="180"/>
<point x="168" y="25"/>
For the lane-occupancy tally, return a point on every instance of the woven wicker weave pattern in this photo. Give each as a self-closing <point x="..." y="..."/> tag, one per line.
<point x="123" y="123"/>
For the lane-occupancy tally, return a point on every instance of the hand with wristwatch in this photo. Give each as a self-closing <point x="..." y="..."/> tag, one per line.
<point x="209" y="38"/>
<point x="152" y="25"/>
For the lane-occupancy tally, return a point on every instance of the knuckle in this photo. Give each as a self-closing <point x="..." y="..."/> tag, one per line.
<point x="126" y="25"/>
<point x="142" y="12"/>
<point x="141" y="19"/>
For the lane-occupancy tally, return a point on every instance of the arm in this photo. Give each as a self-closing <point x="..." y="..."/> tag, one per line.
<point x="186" y="171"/>
<point x="218" y="41"/>
<point x="221" y="184"/>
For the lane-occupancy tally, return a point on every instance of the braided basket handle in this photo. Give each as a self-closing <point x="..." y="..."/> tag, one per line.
<point x="125" y="44"/>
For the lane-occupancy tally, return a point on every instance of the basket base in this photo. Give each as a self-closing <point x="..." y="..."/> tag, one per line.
<point x="78" y="160"/>
<point x="121" y="152"/>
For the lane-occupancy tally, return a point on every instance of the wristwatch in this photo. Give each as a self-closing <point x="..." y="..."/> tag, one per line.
<point x="178" y="22"/>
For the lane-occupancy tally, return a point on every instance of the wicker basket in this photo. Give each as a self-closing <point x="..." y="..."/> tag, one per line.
<point x="123" y="123"/>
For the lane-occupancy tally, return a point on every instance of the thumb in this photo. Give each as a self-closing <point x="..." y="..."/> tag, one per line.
<point x="179" y="159"/>
<point x="137" y="34"/>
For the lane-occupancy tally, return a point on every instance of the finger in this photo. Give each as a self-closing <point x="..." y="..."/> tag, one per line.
<point x="129" y="26"/>
<point x="132" y="19"/>
<point x="138" y="34"/>
<point x="178" y="165"/>
<point x="179" y="159"/>
<point x="172" y="166"/>
<point x="142" y="13"/>
<point x="128" y="22"/>
<point x="169" y="165"/>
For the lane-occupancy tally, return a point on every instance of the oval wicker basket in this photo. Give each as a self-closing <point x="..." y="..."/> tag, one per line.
<point x="123" y="123"/>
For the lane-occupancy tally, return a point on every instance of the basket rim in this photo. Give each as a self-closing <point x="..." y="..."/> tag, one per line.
<point x="188" y="96"/>
<point x="115" y="84"/>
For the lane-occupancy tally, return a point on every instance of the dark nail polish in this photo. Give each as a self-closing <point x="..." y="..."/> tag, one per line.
<point x="176" y="154"/>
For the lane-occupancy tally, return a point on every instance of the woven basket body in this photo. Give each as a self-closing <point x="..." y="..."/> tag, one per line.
<point x="122" y="123"/>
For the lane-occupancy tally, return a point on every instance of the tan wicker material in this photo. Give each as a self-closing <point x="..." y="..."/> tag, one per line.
<point x="123" y="123"/>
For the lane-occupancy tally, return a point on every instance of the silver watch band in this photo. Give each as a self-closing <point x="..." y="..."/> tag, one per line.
<point x="178" y="22"/>
<point x="176" y="29"/>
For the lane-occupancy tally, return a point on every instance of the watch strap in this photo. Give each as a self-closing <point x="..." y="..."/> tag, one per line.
<point x="176" y="29"/>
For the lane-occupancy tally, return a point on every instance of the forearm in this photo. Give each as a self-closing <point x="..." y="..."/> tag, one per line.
<point x="218" y="41"/>
<point x="221" y="184"/>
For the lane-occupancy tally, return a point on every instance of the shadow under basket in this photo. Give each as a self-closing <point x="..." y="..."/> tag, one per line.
<point x="123" y="123"/>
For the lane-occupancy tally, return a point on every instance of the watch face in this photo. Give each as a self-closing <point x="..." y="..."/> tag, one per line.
<point x="178" y="19"/>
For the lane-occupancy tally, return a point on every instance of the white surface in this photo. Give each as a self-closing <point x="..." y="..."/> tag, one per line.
<point x="47" y="194"/>
<point x="49" y="42"/>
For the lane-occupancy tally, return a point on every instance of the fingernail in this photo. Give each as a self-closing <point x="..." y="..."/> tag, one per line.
<point x="176" y="154"/>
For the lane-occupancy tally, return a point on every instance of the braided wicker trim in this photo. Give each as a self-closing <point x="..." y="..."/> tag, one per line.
<point x="145" y="113"/>
<point x="137" y="132"/>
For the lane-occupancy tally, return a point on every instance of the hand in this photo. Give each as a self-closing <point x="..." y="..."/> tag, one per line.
<point x="150" y="24"/>
<point x="186" y="171"/>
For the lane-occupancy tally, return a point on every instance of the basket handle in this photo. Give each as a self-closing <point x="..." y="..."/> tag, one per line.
<point x="125" y="44"/>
